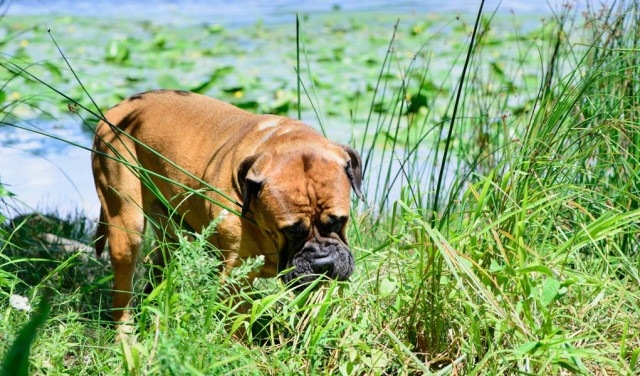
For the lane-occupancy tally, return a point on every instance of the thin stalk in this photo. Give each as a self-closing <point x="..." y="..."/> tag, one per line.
<point x="455" y="110"/>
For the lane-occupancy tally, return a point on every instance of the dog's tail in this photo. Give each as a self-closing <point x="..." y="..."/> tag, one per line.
<point x="101" y="235"/>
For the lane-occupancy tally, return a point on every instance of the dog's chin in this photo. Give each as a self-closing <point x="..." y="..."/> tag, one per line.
<point x="331" y="262"/>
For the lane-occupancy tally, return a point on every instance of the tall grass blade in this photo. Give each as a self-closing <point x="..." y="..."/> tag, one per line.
<point x="16" y="361"/>
<point x="460" y="87"/>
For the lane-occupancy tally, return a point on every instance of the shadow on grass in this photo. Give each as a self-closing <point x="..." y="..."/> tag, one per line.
<point x="45" y="252"/>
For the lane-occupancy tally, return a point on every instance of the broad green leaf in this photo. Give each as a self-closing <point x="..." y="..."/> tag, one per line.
<point x="117" y="51"/>
<point x="549" y="291"/>
<point x="168" y="81"/>
<point x="387" y="286"/>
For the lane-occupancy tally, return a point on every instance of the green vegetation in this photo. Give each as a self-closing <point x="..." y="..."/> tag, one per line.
<point x="528" y="263"/>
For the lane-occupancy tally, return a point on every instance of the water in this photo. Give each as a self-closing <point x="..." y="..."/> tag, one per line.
<point x="236" y="12"/>
<point x="48" y="174"/>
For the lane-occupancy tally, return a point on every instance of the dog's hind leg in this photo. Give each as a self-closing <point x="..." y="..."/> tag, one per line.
<point x="124" y="236"/>
<point x="120" y="193"/>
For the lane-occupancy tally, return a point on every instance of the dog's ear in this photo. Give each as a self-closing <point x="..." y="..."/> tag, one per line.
<point x="251" y="177"/>
<point x="354" y="170"/>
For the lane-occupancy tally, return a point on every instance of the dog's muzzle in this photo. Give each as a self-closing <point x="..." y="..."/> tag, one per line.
<point x="325" y="257"/>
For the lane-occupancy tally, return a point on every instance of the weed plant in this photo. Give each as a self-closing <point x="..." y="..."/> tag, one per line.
<point x="521" y="257"/>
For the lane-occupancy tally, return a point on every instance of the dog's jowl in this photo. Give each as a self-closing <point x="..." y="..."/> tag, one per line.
<point x="293" y="186"/>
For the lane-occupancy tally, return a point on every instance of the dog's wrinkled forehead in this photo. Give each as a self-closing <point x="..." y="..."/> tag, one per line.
<point x="307" y="184"/>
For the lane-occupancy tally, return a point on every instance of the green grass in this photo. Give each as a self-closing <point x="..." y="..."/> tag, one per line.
<point x="526" y="264"/>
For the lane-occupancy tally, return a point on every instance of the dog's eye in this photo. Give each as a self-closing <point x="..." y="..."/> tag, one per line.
<point x="334" y="224"/>
<point x="296" y="230"/>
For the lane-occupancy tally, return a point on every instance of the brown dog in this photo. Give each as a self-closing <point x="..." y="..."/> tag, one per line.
<point x="292" y="185"/>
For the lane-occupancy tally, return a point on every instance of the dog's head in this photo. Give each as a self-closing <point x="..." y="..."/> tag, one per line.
<point x="300" y="200"/>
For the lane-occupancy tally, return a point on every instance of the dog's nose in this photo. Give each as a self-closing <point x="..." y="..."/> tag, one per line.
<point x="324" y="263"/>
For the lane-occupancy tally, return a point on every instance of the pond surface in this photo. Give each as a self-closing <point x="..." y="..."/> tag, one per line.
<point x="50" y="175"/>
<point x="47" y="174"/>
<point x="233" y="12"/>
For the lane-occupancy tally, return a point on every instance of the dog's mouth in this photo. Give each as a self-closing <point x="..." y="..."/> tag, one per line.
<point x="327" y="258"/>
